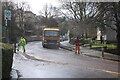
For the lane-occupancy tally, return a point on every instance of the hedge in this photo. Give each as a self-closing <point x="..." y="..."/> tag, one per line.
<point x="7" y="59"/>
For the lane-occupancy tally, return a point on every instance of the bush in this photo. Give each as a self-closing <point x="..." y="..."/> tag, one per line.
<point x="109" y="46"/>
<point x="85" y="41"/>
<point x="7" y="59"/>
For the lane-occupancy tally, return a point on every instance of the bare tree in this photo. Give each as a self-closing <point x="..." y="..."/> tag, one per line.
<point x="20" y="17"/>
<point x="48" y="15"/>
<point x="49" y="11"/>
<point x="79" y="14"/>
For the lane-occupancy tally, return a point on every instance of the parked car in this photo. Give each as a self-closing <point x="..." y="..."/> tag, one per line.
<point x="63" y="38"/>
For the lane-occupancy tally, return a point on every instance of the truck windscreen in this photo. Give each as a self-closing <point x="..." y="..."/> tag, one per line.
<point x="51" y="33"/>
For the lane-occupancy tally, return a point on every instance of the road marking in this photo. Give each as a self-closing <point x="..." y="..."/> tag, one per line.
<point x="112" y="72"/>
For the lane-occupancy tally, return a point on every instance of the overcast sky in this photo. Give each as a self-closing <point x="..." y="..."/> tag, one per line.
<point x="37" y="5"/>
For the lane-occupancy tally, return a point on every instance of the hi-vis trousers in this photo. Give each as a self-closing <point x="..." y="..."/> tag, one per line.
<point x="77" y="49"/>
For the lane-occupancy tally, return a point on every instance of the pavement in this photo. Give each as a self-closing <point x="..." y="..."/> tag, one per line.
<point x="90" y="52"/>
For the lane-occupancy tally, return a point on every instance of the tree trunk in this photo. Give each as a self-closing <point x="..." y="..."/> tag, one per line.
<point x="118" y="28"/>
<point x="117" y="15"/>
<point x="118" y="39"/>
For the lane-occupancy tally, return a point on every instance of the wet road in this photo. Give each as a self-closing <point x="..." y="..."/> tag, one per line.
<point x="39" y="62"/>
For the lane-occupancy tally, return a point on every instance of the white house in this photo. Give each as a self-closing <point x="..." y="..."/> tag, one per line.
<point x="109" y="35"/>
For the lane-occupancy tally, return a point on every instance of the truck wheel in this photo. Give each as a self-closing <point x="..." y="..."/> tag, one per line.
<point x="43" y="45"/>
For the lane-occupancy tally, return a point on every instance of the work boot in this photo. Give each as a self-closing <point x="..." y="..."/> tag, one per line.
<point x="75" y="52"/>
<point x="24" y="50"/>
<point x="78" y="52"/>
<point x="17" y="49"/>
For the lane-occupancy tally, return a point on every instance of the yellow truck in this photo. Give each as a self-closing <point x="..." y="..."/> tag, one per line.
<point x="51" y="37"/>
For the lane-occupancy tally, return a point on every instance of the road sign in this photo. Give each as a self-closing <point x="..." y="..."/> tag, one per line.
<point x="7" y="14"/>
